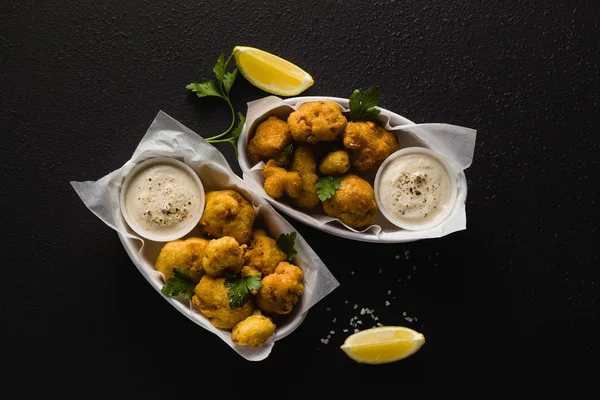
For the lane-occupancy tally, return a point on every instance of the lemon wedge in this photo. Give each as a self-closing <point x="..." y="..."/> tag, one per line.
<point x="383" y="344"/>
<point x="271" y="73"/>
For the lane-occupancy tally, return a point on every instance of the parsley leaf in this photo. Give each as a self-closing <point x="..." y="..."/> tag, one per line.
<point x="362" y="105"/>
<point x="286" y="242"/>
<point x="327" y="186"/>
<point x="220" y="89"/>
<point x="179" y="284"/>
<point x="240" y="288"/>
<point x="219" y="68"/>
<point x="228" y="79"/>
<point x="205" y="89"/>
<point x="288" y="152"/>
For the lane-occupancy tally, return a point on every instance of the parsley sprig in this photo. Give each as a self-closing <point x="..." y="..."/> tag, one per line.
<point x="208" y="88"/>
<point x="285" y="242"/>
<point x="240" y="288"/>
<point x="327" y="186"/>
<point x="362" y="105"/>
<point x="179" y="284"/>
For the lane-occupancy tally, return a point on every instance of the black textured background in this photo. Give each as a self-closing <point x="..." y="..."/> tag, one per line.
<point x="508" y="307"/>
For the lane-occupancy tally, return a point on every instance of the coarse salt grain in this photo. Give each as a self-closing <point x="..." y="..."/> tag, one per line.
<point x="387" y="303"/>
<point x="328" y="309"/>
<point x="409" y="319"/>
<point x="351" y="272"/>
<point x="356" y="330"/>
<point x="407" y="252"/>
<point x="389" y="292"/>
<point x="379" y="324"/>
<point x="404" y="313"/>
<point x="362" y="311"/>
<point x="344" y="330"/>
<point x="355" y="306"/>
<point x="397" y="256"/>
<point x="379" y="271"/>
<point x="332" y="332"/>
<point x="334" y="320"/>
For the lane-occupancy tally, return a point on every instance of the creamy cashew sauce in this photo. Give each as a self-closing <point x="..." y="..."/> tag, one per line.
<point x="415" y="188"/>
<point x="162" y="199"/>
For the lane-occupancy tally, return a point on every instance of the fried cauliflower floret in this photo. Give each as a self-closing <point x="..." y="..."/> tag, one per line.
<point x="183" y="254"/>
<point x="317" y="121"/>
<point x="303" y="160"/>
<point x="281" y="290"/>
<point x="278" y="181"/>
<point x="211" y="299"/>
<point x="308" y="197"/>
<point x="270" y="139"/>
<point x="223" y="254"/>
<point x="335" y="163"/>
<point x="254" y="330"/>
<point x="353" y="203"/>
<point x="227" y="213"/>
<point x="369" y="144"/>
<point x="263" y="253"/>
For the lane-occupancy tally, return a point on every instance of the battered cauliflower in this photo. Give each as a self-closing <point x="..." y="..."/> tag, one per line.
<point x="278" y="181"/>
<point x="369" y="144"/>
<point x="335" y="163"/>
<point x="211" y="300"/>
<point x="183" y="254"/>
<point x="353" y="203"/>
<point x="263" y="254"/>
<point x="303" y="160"/>
<point x="317" y="121"/>
<point x="254" y="330"/>
<point x="309" y="197"/>
<point x="223" y="254"/>
<point x="280" y="290"/>
<point x="270" y="139"/>
<point x="227" y="213"/>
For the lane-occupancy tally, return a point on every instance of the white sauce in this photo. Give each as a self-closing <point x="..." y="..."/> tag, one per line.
<point x="163" y="199"/>
<point x="415" y="189"/>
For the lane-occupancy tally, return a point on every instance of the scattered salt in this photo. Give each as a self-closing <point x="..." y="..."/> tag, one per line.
<point x="351" y="272"/>
<point x="409" y="319"/>
<point x="389" y="292"/>
<point x="379" y="324"/>
<point x="328" y="309"/>
<point x="334" y="320"/>
<point x="356" y="330"/>
<point x="332" y="332"/>
<point x="397" y="256"/>
<point x="408" y="277"/>
<point x="407" y="252"/>
<point x="362" y="311"/>
<point x="355" y="306"/>
<point x="387" y="303"/>
<point x="344" y="330"/>
<point x="404" y="313"/>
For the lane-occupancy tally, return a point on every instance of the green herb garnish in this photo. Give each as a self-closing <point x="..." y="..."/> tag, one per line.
<point x="362" y="105"/>
<point x="285" y="242"/>
<point x="240" y="288"/>
<point x="327" y="186"/>
<point x="179" y="284"/>
<point x="288" y="152"/>
<point x="208" y="88"/>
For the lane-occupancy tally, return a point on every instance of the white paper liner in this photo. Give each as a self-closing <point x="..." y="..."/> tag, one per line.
<point x="168" y="137"/>
<point x="456" y="143"/>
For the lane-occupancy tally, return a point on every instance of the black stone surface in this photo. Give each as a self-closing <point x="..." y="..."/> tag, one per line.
<point x="509" y="306"/>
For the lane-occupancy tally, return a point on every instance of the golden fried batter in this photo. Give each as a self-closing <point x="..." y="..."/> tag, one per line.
<point x="227" y="213"/>
<point x="353" y="203"/>
<point x="309" y="197"/>
<point x="223" y="254"/>
<point x="254" y="330"/>
<point x="317" y="121"/>
<point x="263" y="253"/>
<point x="212" y="301"/>
<point x="280" y="291"/>
<point x="369" y="144"/>
<point x="183" y="254"/>
<point x="270" y="138"/>
<point x="278" y="181"/>
<point x="303" y="160"/>
<point x="335" y="163"/>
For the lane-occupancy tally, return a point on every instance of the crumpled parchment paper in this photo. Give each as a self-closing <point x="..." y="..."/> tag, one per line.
<point x="168" y="137"/>
<point x="455" y="143"/>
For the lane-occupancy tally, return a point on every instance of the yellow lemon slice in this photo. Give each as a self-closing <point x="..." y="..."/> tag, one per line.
<point x="271" y="73"/>
<point x="383" y="344"/>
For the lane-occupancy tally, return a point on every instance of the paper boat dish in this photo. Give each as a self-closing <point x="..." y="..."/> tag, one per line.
<point x="167" y="137"/>
<point x="439" y="137"/>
